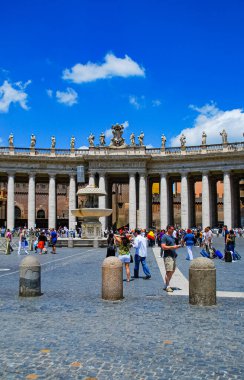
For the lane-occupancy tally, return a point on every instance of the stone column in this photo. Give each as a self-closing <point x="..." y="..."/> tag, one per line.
<point x="228" y="211"/>
<point x="132" y="201"/>
<point x="213" y="203"/>
<point x="92" y="179"/>
<point x="10" y="202"/>
<point x="192" y="207"/>
<point x="72" y="201"/>
<point x="142" y="223"/>
<point x="205" y="200"/>
<point x="236" y="202"/>
<point x="184" y="201"/>
<point x="102" y="201"/>
<point x="52" y="202"/>
<point x="164" y="201"/>
<point x="32" y="201"/>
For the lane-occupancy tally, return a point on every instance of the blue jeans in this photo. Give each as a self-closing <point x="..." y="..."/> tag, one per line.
<point x="145" y="268"/>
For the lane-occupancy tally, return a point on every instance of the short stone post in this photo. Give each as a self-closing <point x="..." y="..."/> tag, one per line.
<point x="112" y="279"/>
<point x="202" y="282"/>
<point x="70" y="243"/>
<point x="30" y="277"/>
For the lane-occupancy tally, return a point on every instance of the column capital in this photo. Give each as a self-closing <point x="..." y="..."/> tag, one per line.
<point x="205" y="172"/>
<point x="32" y="175"/>
<point x="11" y="173"/>
<point x="51" y="175"/>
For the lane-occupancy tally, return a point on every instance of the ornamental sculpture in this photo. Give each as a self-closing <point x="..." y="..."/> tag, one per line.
<point x="132" y="139"/>
<point x="117" y="140"/>
<point x="91" y="139"/>
<point x="183" y="140"/>
<point x="224" y="136"/>
<point x="163" y="141"/>
<point x="141" y="138"/>
<point x="53" y="142"/>
<point x="11" y="140"/>
<point x="72" y="142"/>
<point x="33" y="141"/>
<point x="204" y="138"/>
<point x="102" y="139"/>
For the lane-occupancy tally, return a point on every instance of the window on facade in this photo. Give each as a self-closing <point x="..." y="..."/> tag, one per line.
<point x="17" y="212"/>
<point x="40" y="214"/>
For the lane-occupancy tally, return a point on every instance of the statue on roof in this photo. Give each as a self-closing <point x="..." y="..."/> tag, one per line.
<point x="33" y="141"/>
<point x="132" y="139"/>
<point x="102" y="139"/>
<point x="141" y="138"/>
<point x="183" y="140"/>
<point x="11" y="140"/>
<point x="204" y="138"/>
<point x="117" y="140"/>
<point x="91" y="139"/>
<point x="72" y="142"/>
<point x="163" y="141"/>
<point x="53" y="142"/>
<point x="224" y="136"/>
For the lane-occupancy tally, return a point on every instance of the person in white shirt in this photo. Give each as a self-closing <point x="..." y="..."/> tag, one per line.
<point x="140" y="245"/>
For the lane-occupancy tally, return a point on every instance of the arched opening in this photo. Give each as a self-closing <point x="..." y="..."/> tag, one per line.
<point x="40" y="214"/>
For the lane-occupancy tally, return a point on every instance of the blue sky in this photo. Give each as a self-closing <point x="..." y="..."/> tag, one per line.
<point x="161" y="67"/>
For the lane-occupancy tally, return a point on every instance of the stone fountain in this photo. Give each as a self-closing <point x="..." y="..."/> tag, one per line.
<point x="89" y="212"/>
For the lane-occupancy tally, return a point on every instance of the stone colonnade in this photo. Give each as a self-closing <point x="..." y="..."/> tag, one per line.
<point x="138" y="198"/>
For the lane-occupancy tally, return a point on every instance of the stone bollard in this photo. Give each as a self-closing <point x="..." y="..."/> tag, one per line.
<point x="202" y="282"/>
<point x="70" y="243"/>
<point x="30" y="277"/>
<point x="112" y="279"/>
<point x="95" y="243"/>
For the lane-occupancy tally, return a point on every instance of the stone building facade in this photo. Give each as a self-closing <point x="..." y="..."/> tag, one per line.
<point x="39" y="186"/>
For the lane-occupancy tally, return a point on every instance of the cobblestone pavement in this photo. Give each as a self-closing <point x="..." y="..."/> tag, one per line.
<point x="70" y="333"/>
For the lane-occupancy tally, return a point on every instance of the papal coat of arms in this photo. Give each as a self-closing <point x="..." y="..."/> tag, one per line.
<point x="117" y="140"/>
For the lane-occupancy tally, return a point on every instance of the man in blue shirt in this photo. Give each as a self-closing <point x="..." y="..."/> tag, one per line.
<point x="169" y="247"/>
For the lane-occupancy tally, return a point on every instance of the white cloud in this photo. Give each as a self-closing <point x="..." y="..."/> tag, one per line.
<point x="149" y="146"/>
<point x="156" y="103"/>
<point x="49" y="93"/>
<point x="212" y="120"/>
<point x="13" y="94"/>
<point x="108" y="133"/>
<point x="112" y="67"/>
<point x="69" y="98"/>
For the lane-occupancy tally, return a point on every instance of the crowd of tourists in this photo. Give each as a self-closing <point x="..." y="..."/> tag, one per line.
<point x="169" y="240"/>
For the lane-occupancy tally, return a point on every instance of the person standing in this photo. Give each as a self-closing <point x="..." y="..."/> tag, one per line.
<point x="22" y="242"/>
<point x="189" y="240"/>
<point x="53" y="239"/>
<point x="140" y="244"/>
<point x="9" y="239"/>
<point x="169" y="247"/>
<point x="124" y="252"/>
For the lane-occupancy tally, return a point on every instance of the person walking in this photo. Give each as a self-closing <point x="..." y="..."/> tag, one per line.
<point x="140" y="245"/>
<point x="189" y="240"/>
<point x="169" y="247"/>
<point x="23" y="242"/>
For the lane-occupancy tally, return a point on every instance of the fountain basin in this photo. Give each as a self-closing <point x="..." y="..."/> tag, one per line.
<point x="91" y="212"/>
